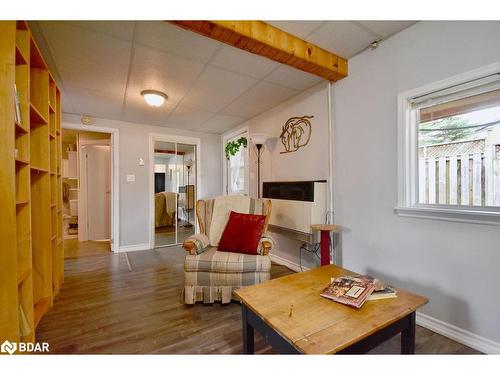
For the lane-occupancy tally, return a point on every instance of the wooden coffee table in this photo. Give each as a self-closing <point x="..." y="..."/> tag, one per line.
<point x="294" y="318"/>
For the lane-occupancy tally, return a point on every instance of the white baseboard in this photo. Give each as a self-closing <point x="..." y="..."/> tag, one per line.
<point x="285" y="262"/>
<point x="138" y="247"/>
<point x="458" y="334"/>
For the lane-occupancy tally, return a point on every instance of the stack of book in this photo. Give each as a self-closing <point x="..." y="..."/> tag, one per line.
<point x="355" y="290"/>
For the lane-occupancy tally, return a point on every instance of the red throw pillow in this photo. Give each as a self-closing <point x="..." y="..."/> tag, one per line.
<point x="242" y="233"/>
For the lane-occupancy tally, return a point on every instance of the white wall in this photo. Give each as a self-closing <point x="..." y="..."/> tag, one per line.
<point x="134" y="197"/>
<point x="454" y="264"/>
<point x="309" y="163"/>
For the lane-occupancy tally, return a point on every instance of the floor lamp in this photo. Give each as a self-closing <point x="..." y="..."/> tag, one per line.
<point x="189" y="164"/>
<point x="259" y="139"/>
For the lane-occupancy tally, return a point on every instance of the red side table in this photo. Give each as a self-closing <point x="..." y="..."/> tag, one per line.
<point x="325" y="230"/>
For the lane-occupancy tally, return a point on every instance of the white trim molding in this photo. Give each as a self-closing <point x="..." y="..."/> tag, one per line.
<point x="458" y="334"/>
<point x="450" y="213"/>
<point x="408" y="204"/>
<point x="287" y="263"/>
<point x="115" y="176"/>
<point x="138" y="247"/>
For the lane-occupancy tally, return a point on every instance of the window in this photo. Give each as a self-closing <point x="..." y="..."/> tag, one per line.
<point x="237" y="172"/>
<point x="236" y="167"/>
<point x="450" y="150"/>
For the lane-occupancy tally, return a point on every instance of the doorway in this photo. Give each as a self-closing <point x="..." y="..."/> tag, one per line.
<point x="87" y="191"/>
<point x="174" y="179"/>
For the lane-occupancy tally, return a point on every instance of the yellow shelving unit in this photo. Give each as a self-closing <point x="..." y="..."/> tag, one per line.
<point x="31" y="257"/>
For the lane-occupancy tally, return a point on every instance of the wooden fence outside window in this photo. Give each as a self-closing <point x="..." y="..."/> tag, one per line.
<point x="469" y="179"/>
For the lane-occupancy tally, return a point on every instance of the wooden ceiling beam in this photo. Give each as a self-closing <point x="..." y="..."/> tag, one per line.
<point x="268" y="41"/>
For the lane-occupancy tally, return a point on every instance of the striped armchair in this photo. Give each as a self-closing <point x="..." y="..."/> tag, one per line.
<point x="211" y="275"/>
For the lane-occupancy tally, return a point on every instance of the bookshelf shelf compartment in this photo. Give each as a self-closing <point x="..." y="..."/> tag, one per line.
<point x="19" y="129"/>
<point x="22" y="162"/>
<point x="22" y="275"/>
<point x="22" y="46"/>
<point x="41" y="307"/>
<point x="35" y="169"/>
<point x="36" y="117"/>
<point x="36" y="59"/>
<point x="20" y="59"/>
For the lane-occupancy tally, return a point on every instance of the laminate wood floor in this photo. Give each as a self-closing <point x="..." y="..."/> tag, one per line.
<point x="105" y="308"/>
<point x="75" y="249"/>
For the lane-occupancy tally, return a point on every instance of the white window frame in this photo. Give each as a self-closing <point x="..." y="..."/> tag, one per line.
<point x="245" y="131"/>
<point x="407" y="204"/>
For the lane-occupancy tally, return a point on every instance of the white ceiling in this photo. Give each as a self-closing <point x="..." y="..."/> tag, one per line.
<point x="103" y="66"/>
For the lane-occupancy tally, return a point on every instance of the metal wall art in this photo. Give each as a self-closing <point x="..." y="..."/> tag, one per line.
<point x="296" y="133"/>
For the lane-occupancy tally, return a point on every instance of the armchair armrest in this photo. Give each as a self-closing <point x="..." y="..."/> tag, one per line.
<point x="266" y="244"/>
<point x="196" y="244"/>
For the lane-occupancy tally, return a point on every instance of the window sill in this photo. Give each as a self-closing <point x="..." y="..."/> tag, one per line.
<point x="476" y="216"/>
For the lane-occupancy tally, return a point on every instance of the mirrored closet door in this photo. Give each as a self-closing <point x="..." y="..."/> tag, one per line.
<point x="174" y="192"/>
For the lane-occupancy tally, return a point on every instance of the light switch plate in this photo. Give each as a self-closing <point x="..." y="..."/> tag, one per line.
<point x="131" y="178"/>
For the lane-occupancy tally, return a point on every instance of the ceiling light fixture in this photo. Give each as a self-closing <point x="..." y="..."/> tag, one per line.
<point x="154" y="98"/>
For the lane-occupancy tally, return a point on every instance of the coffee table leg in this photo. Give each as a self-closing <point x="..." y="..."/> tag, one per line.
<point x="408" y="336"/>
<point x="248" y="337"/>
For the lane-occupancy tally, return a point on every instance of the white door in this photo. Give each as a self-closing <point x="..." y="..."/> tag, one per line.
<point x="98" y="173"/>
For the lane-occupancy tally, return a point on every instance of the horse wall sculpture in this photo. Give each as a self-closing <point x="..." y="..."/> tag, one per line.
<point x="296" y="133"/>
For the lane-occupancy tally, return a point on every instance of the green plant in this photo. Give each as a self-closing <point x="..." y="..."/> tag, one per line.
<point x="233" y="147"/>
<point x="445" y="130"/>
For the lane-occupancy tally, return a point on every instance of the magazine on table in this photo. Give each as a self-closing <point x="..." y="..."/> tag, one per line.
<point x="349" y="290"/>
<point x="355" y="290"/>
<point x="382" y="290"/>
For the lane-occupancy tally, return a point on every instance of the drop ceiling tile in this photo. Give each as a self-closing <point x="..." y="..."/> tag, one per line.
<point x="188" y="118"/>
<point x="298" y="28"/>
<point x="386" y="28"/>
<point x="153" y="69"/>
<point x="88" y="59"/>
<point x="258" y="99"/>
<point x="292" y="78"/>
<point x="95" y="103"/>
<point x="221" y="123"/>
<point x="175" y="40"/>
<point x="240" y="61"/>
<point x="343" y="38"/>
<point x="216" y="88"/>
<point x="118" y="29"/>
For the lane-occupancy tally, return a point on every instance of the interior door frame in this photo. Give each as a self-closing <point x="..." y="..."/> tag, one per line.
<point x="158" y="137"/>
<point x="115" y="176"/>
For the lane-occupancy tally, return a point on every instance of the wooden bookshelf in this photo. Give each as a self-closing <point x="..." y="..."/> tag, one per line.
<point x="31" y="255"/>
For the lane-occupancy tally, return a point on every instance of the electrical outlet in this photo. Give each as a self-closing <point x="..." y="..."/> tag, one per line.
<point x="131" y="178"/>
